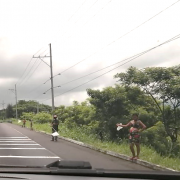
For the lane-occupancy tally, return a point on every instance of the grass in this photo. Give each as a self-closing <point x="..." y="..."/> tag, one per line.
<point x="147" y="153"/>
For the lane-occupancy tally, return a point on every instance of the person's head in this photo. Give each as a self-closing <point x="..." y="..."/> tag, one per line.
<point x="135" y="116"/>
<point x="55" y="116"/>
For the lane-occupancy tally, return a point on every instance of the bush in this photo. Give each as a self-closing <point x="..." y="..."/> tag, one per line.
<point x="43" y="117"/>
<point x="157" y="138"/>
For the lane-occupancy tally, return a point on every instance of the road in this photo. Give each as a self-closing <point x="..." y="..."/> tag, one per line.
<point x="21" y="146"/>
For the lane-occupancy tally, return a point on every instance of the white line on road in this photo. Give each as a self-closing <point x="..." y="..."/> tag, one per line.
<point x="42" y="157"/>
<point x="17" y="141"/>
<point x="31" y="141"/>
<point x="13" y="137"/>
<point x="22" y="148"/>
<point x="19" y="144"/>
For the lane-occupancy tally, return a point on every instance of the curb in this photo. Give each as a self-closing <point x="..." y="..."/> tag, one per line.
<point x="114" y="154"/>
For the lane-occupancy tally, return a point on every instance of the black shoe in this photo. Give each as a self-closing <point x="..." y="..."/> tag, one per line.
<point x="52" y="140"/>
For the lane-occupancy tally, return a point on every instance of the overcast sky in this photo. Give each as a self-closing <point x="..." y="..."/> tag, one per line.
<point x="88" y="30"/>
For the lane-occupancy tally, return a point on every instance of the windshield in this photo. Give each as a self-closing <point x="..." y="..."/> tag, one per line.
<point x="90" y="80"/>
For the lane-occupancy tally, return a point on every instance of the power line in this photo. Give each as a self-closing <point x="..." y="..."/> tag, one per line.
<point x="108" y="66"/>
<point x="71" y="35"/>
<point x="87" y="10"/>
<point x="43" y="47"/>
<point x="130" y="59"/>
<point x="111" y="69"/>
<point x="64" y="33"/>
<point x="28" y="72"/>
<point x="80" y="17"/>
<point x="92" y="17"/>
<point x="116" y="39"/>
<point x="35" y="88"/>
<point x="100" y="69"/>
<point x="144" y="22"/>
<point x="98" y="12"/>
<point x="28" y="66"/>
<point x="42" y="84"/>
<point x="43" y="52"/>
<point x="33" y="71"/>
<point x="71" y="17"/>
<point x="39" y="50"/>
<point x="77" y="10"/>
<point x="120" y="37"/>
<point x="172" y="39"/>
<point x="24" y="70"/>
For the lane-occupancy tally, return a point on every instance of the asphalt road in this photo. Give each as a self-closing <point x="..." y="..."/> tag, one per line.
<point x="21" y="146"/>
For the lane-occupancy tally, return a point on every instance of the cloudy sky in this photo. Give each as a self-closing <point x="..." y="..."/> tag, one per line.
<point x="96" y="33"/>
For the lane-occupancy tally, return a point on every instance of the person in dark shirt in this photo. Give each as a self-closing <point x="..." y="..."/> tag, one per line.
<point x="55" y="124"/>
<point x="136" y="126"/>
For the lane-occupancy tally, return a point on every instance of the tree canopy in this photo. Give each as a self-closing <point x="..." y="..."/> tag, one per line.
<point x="163" y="85"/>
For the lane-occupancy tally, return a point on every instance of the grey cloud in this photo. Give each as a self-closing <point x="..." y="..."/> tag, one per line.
<point x="166" y="53"/>
<point x="24" y="90"/>
<point x="14" y="68"/>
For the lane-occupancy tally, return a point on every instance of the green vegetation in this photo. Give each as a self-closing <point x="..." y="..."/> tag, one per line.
<point x="152" y="92"/>
<point x="24" y="107"/>
<point x="122" y="147"/>
<point x="162" y="85"/>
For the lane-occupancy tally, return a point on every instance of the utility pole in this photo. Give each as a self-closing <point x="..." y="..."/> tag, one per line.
<point x="51" y="73"/>
<point x="15" y="92"/>
<point x="52" y="86"/>
<point x="16" y="101"/>
<point x="37" y="107"/>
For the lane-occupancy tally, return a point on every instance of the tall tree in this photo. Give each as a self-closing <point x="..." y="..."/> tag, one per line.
<point x="116" y="104"/>
<point x="31" y="106"/>
<point x="9" y="111"/>
<point x="163" y="85"/>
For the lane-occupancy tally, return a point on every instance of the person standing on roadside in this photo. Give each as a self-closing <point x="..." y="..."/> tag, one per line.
<point x="55" y="124"/>
<point x="24" y="123"/>
<point x="31" y="124"/>
<point x="134" y="138"/>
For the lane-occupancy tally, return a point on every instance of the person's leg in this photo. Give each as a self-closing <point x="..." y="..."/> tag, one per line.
<point x="52" y="136"/>
<point x="132" y="149"/>
<point x="57" y="132"/>
<point x="138" y="149"/>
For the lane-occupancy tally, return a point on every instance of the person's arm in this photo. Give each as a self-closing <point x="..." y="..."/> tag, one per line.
<point x="127" y="125"/>
<point x="143" y="126"/>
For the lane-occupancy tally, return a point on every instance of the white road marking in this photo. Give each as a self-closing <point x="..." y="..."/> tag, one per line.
<point x="55" y="156"/>
<point x="18" y="132"/>
<point x="13" y="137"/>
<point x="19" y="144"/>
<point x="22" y="148"/>
<point x="42" y="157"/>
<point x="17" y="141"/>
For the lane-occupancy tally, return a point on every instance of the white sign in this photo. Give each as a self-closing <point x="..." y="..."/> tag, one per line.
<point x="119" y="127"/>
